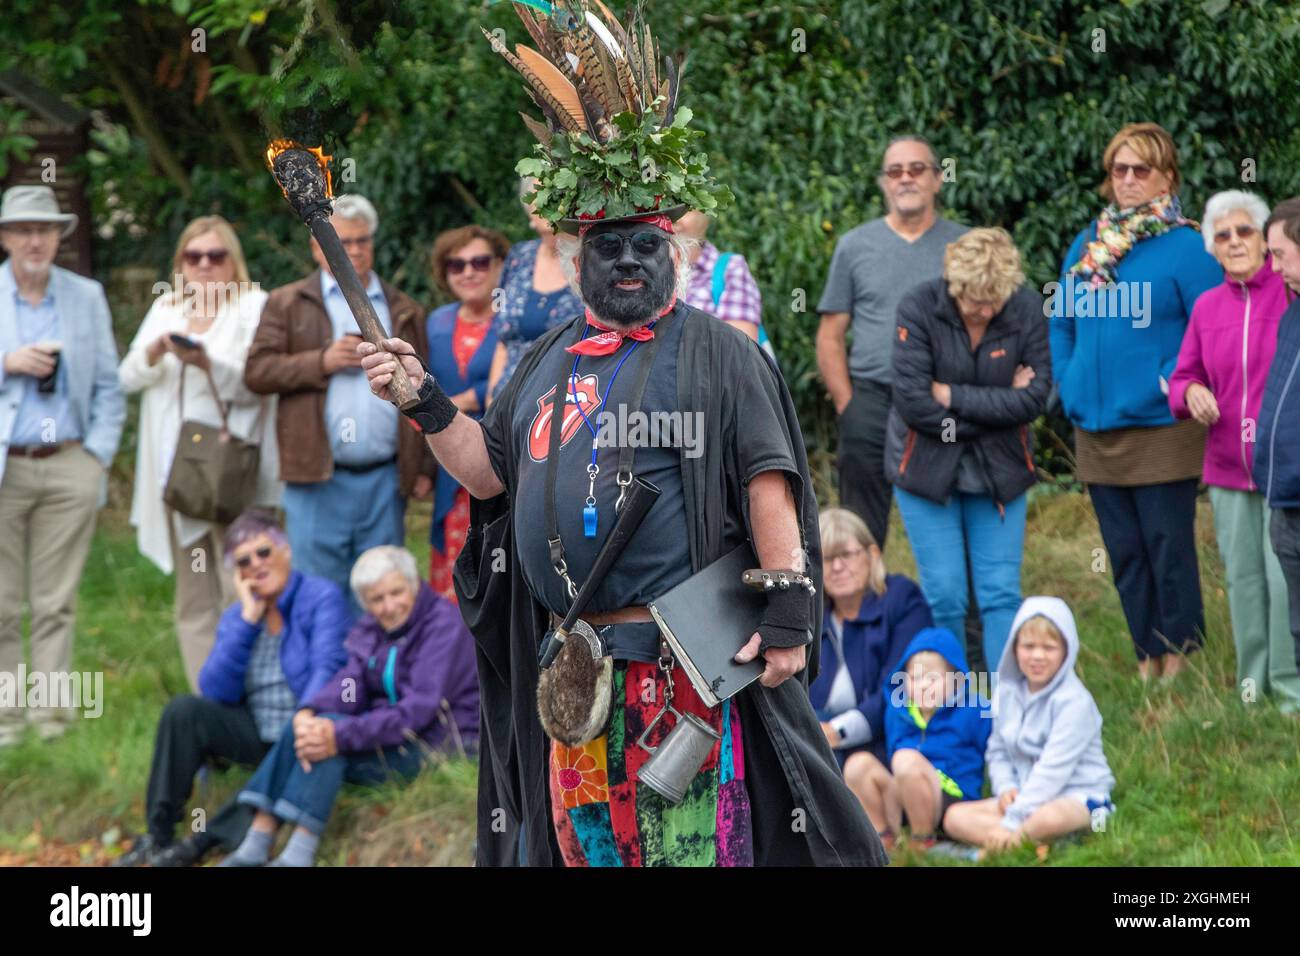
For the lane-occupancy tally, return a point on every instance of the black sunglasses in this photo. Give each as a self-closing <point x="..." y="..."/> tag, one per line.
<point x="609" y="245"/>
<point x="456" y="266"/>
<point x="246" y="560"/>
<point x="193" y="257"/>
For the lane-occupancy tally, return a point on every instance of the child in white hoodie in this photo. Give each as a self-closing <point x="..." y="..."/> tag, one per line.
<point x="1045" y="760"/>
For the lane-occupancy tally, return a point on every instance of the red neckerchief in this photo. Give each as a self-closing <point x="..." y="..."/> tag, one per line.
<point x="607" y="341"/>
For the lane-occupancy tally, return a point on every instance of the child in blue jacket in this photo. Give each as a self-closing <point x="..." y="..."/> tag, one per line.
<point x="936" y="729"/>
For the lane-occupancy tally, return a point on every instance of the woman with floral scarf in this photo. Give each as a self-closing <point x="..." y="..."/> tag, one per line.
<point x="1127" y="289"/>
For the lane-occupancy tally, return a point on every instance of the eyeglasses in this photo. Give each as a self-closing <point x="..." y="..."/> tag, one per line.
<point x="193" y="257"/>
<point x="29" y="229"/>
<point x="1243" y="231"/>
<point x="246" y="560"/>
<point x="846" y="556"/>
<point x="359" y="243"/>
<point x="455" y="266"/>
<point x="1121" y="170"/>
<point x="916" y="170"/>
<point x="609" y="245"/>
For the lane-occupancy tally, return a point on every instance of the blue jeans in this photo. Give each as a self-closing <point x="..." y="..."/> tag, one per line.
<point x="941" y="536"/>
<point x="330" y="523"/>
<point x="284" y="790"/>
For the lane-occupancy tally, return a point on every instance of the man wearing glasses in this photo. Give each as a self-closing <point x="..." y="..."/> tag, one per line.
<point x="347" y="461"/>
<point x="873" y="266"/>
<point x="61" y="413"/>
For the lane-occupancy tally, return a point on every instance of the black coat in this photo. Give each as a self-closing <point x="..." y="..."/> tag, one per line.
<point x="925" y="440"/>
<point x="802" y="811"/>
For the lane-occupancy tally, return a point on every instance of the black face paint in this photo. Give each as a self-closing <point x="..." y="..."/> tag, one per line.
<point x="632" y="305"/>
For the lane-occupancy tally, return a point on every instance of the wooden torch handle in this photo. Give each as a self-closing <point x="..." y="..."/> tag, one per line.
<point x="362" y="309"/>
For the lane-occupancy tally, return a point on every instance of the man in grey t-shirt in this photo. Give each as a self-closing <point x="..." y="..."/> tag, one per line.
<point x="873" y="266"/>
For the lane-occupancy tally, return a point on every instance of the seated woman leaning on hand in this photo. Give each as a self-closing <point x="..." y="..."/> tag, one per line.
<point x="409" y="687"/>
<point x="871" y="618"/>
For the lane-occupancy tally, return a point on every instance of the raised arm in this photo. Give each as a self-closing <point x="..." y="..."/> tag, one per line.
<point x="459" y="444"/>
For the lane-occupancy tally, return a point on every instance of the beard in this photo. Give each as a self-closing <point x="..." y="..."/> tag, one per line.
<point x="628" y="309"/>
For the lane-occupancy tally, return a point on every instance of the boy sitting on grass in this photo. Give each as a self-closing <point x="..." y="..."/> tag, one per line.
<point x="1045" y="758"/>
<point x="934" y="732"/>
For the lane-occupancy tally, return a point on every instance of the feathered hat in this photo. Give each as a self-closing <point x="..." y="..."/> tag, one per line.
<point x="614" y="146"/>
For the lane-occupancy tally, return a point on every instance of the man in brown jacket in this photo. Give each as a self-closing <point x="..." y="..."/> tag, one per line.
<point x="348" y="462"/>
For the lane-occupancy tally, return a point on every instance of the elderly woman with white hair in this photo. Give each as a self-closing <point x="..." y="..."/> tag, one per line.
<point x="409" y="688"/>
<point x="1219" y="381"/>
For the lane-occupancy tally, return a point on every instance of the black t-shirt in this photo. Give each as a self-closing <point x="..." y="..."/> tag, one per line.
<point x="658" y="555"/>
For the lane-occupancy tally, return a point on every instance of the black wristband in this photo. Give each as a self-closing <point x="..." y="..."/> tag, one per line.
<point x="435" y="411"/>
<point x="785" y="622"/>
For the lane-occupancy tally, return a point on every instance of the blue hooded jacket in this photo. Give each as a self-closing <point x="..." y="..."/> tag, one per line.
<point x="956" y="736"/>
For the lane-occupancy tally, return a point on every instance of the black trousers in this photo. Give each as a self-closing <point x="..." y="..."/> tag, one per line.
<point x="864" y="489"/>
<point x="1284" y="532"/>
<point x="1150" y="534"/>
<point x="192" y="731"/>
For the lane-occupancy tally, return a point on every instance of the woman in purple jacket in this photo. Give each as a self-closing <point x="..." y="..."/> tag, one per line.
<point x="409" y="688"/>
<point x="1219" y="381"/>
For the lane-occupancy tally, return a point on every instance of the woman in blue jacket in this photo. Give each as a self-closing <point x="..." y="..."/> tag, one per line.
<point x="275" y="648"/>
<point x="462" y="340"/>
<point x="1127" y="289"/>
<point x="870" y="620"/>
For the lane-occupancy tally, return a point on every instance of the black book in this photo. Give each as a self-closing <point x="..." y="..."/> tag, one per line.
<point x="708" y="618"/>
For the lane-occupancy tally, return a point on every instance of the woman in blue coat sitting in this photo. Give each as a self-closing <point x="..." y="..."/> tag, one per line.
<point x="870" y="619"/>
<point x="462" y="340"/>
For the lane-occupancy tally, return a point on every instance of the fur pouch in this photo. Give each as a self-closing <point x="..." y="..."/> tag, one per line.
<point x="574" y="693"/>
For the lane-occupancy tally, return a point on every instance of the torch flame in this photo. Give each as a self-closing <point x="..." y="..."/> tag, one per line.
<point x="278" y="146"/>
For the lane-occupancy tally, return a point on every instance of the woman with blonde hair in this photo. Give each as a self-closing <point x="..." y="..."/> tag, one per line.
<point x="1128" y="284"/>
<point x="195" y="337"/>
<point x="972" y="370"/>
<point x="870" y="618"/>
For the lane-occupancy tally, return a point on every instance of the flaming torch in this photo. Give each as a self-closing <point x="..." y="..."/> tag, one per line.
<point x="304" y="177"/>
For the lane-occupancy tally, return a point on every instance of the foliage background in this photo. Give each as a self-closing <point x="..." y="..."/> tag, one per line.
<point x="798" y="99"/>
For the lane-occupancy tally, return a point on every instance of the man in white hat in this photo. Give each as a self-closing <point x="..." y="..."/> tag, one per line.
<point x="61" y="414"/>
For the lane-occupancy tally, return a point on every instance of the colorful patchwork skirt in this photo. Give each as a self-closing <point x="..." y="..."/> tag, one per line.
<point x="604" y="816"/>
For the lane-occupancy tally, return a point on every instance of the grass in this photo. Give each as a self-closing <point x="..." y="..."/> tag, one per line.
<point x="1204" y="778"/>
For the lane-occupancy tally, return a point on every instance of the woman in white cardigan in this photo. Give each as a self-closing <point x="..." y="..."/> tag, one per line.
<point x="217" y="308"/>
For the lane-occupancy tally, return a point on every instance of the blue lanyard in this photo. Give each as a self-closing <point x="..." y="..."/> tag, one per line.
<point x="589" y="518"/>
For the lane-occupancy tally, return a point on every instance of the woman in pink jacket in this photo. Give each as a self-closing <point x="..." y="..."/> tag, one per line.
<point x="1219" y="381"/>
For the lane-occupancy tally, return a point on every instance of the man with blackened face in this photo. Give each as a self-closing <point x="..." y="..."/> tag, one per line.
<point x="597" y="416"/>
<point x="628" y="272"/>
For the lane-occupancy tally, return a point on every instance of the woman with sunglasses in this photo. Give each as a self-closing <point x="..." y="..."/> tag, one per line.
<point x="1127" y="288"/>
<point x="462" y="343"/>
<point x="203" y="323"/>
<point x="276" y="646"/>
<point x="1219" y="381"/>
<point x="535" y="296"/>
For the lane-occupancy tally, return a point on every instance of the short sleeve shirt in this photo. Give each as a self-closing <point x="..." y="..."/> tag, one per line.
<point x="658" y="556"/>
<point x="872" y="269"/>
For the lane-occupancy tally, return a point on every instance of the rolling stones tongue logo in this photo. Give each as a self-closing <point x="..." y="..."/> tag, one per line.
<point x="587" y="390"/>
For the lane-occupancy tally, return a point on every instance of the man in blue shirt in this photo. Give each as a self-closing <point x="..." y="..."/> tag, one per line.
<point x="61" y="413"/>
<point x="348" y="466"/>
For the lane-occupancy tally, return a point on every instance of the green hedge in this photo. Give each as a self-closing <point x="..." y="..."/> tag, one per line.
<point x="797" y="98"/>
